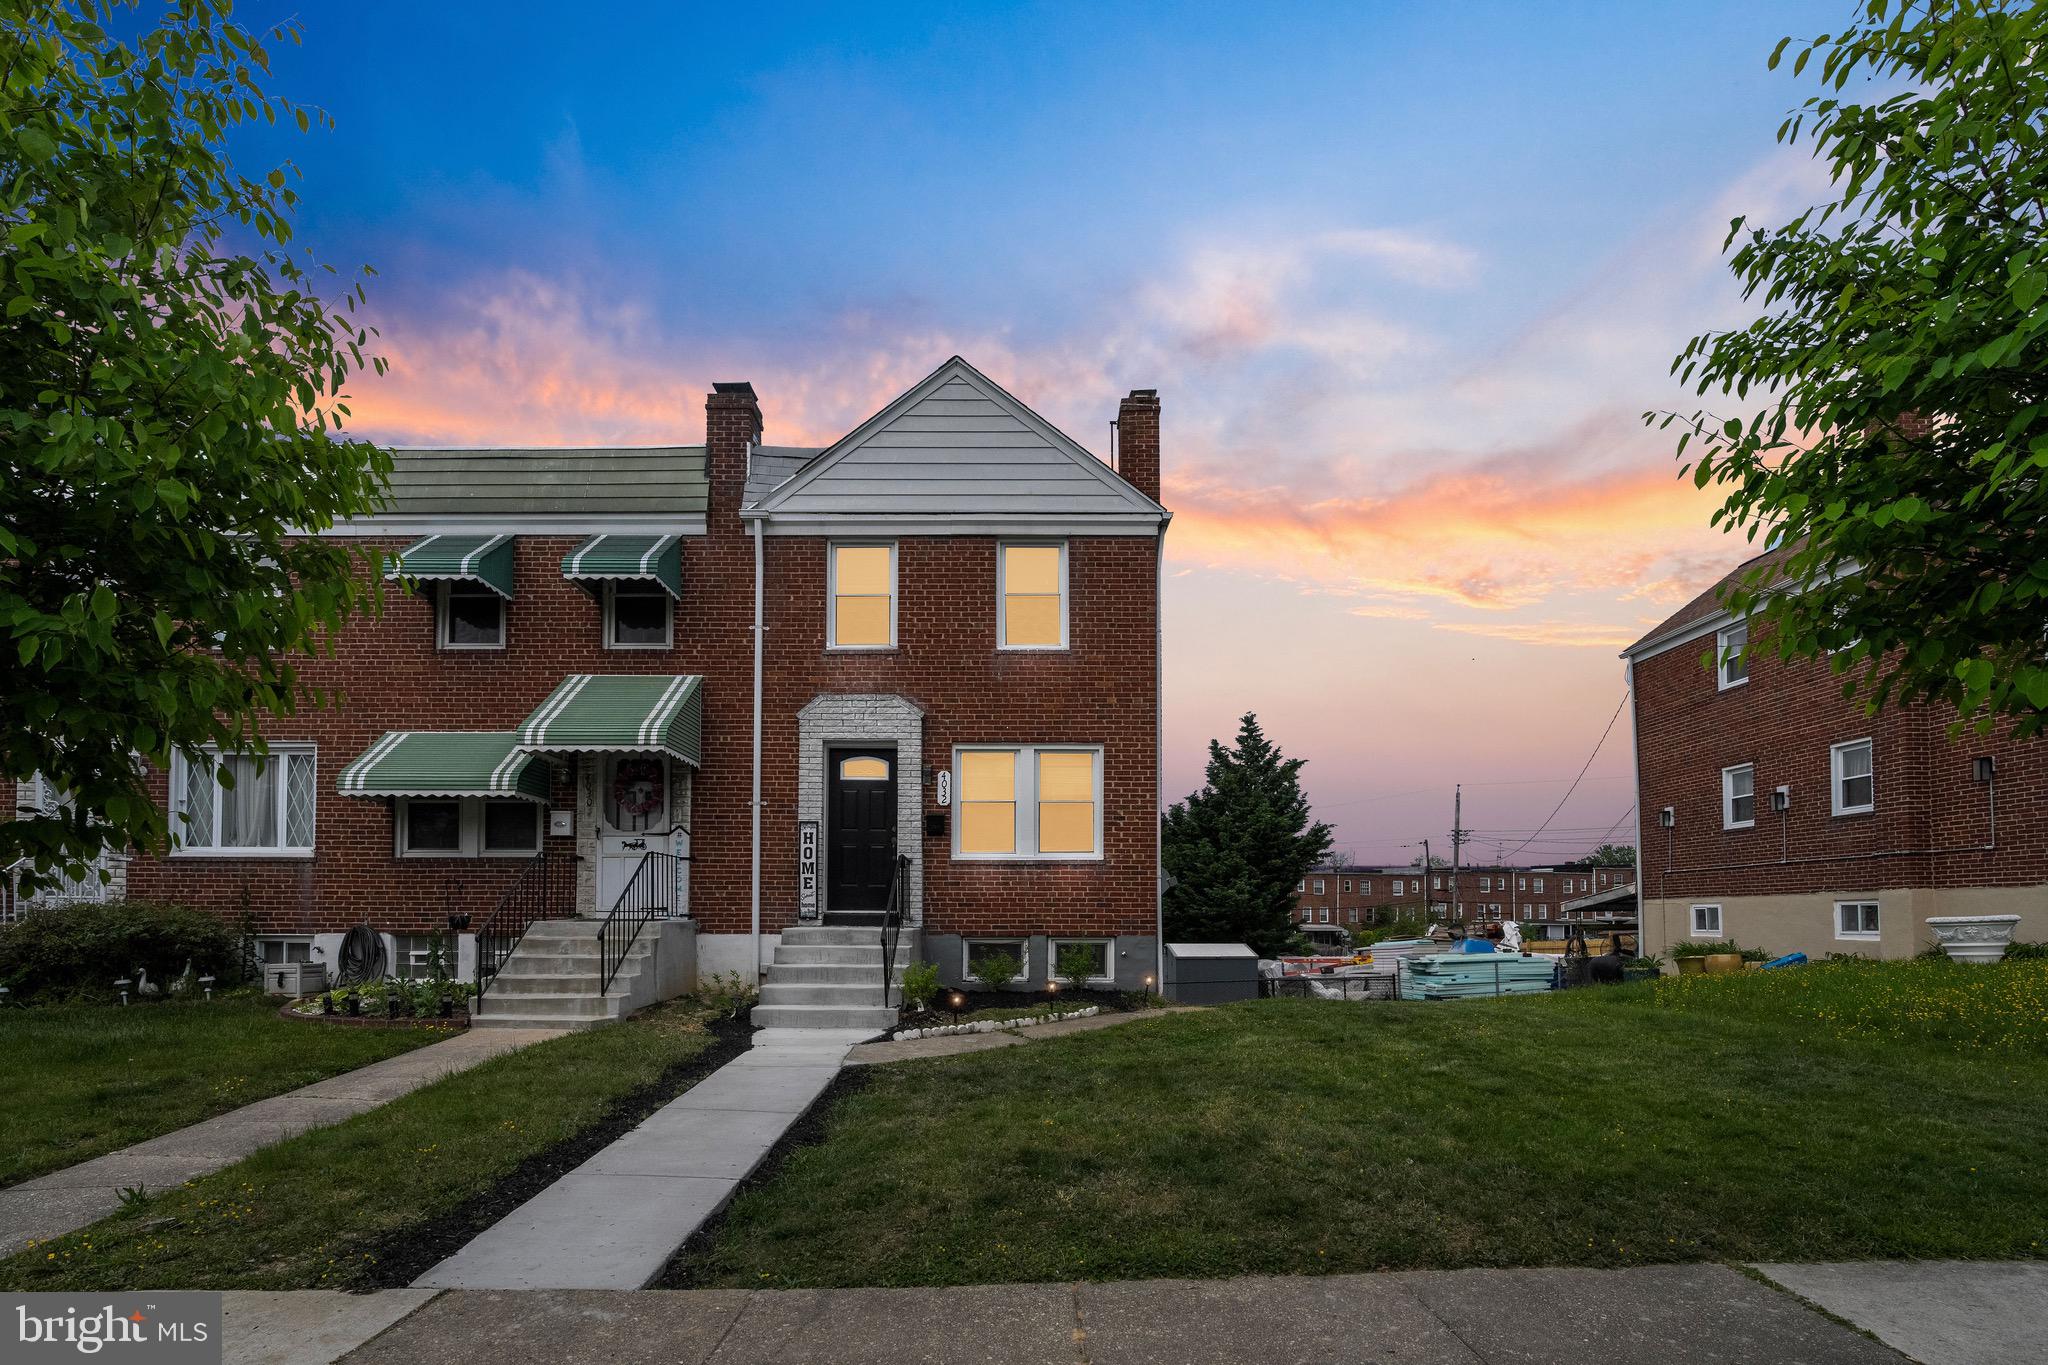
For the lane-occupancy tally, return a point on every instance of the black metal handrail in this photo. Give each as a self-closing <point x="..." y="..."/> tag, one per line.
<point x="892" y="924"/>
<point x="651" y="894"/>
<point x="544" y="889"/>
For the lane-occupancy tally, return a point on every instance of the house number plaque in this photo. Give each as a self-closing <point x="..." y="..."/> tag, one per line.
<point x="807" y="869"/>
<point x="945" y="787"/>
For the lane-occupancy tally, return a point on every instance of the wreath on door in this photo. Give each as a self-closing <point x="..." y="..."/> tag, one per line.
<point x="636" y="786"/>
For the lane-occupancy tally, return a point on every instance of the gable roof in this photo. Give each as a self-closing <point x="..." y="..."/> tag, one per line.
<point x="1707" y="606"/>
<point x="957" y="448"/>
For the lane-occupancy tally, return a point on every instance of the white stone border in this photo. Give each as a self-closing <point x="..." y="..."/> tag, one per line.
<point x="876" y="718"/>
<point x="992" y="1025"/>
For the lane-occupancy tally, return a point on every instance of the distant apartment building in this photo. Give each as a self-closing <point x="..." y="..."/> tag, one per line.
<point x="1777" y="813"/>
<point x="1546" y="901"/>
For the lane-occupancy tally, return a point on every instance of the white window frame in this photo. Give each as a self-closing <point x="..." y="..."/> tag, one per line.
<point x="1835" y="777"/>
<point x="1700" y="931"/>
<point x="1728" y="796"/>
<point x="278" y="752"/>
<point x="1539" y="886"/>
<point x="1025" y="799"/>
<point x="1320" y="885"/>
<point x="1724" y="682"/>
<point x="1347" y="886"/>
<point x="1323" y="914"/>
<point x="832" y="549"/>
<point x="1053" y="946"/>
<point x="1002" y="592"/>
<point x="441" y="641"/>
<point x="611" y="617"/>
<point x="1023" y="942"/>
<point x="1859" y="935"/>
<point x="470" y="823"/>
<point x="1365" y="887"/>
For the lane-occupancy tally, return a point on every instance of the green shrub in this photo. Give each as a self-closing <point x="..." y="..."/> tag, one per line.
<point x="920" y="984"/>
<point x="729" y="993"/>
<point x="70" y="951"/>
<point x="997" y="970"/>
<point x="2015" y="952"/>
<point x="1076" y="965"/>
<point x="1694" y="948"/>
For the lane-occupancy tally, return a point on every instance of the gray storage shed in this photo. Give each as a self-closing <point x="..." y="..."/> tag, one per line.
<point x="1211" y="973"/>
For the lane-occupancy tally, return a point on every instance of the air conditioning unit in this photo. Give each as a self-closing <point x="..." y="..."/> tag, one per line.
<point x="294" y="978"/>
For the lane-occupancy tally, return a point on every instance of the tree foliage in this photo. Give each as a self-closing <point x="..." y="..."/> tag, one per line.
<point x="1237" y="849"/>
<point x="1900" y="444"/>
<point x="171" y="396"/>
<point x="1613" y="855"/>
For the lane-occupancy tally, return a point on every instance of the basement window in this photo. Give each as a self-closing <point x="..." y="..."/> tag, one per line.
<point x="1856" y="920"/>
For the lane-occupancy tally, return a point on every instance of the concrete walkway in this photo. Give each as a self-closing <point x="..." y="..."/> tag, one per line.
<point x="1939" y="1312"/>
<point x="613" y="1222"/>
<point x="64" y="1201"/>
<point x="953" y="1044"/>
<point x="1663" y="1315"/>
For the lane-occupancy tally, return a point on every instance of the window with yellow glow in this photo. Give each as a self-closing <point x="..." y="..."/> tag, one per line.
<point x="1033" y="593"/>
<point x="988" y="801"/>
<point x="1029" y="803"/>
<point x="863" y="596"/>
<point x="863" y="770"/>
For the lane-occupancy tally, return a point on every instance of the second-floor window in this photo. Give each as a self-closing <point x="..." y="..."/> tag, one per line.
<point x="1319" y="886"/>
<point x="470" y="615"/>
<point x="1731" y="655"/>
<point x="269" y="809"/>
<point x="862" y="608"/>
<point x="1854" y="780"/>
<point x="1031" y="596"/>
<point x="636" y="614"/>
<point x="1738" y="796"/>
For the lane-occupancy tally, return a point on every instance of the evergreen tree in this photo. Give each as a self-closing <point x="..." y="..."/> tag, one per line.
<point x="1237" y="849"/>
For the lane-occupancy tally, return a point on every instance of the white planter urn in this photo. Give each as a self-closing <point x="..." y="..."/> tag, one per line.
<point x="1974" y="938"/>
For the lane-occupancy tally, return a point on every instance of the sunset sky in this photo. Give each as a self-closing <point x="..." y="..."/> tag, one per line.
<point x="1404" y="275"/>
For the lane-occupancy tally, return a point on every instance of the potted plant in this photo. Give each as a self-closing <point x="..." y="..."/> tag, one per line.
<point x="1647" y="968"/>
<point x="1691" y="958"/>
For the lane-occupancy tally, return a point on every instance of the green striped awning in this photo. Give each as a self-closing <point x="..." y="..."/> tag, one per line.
<point x="649" y="713"/>
<point x="446" y="763"/>
<point x="657" y="557"/>
<point x="483" y="559"/>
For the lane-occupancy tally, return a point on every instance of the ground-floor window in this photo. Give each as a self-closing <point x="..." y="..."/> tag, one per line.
<point x="1856" y="919"/>
<point x="413" y="956"/>
<point x="1706" y="921"/>
<point x="1083" y="957"/>
<point x="468" y="828"/>
<point x="976" y="952"/>
<point x="266" y="806"/>
<point x="276" y="952"/>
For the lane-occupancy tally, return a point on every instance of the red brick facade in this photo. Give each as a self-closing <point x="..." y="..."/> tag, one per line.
<point x="1357" y="896"/>
<point x="1923" y="850"/>
<point x="1101" y="690"/>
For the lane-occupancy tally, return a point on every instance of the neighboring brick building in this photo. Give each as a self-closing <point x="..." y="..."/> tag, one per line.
<point x="1541" y="898"/>
<point x="1779" y="814"/>
<point x="959" y="629"/>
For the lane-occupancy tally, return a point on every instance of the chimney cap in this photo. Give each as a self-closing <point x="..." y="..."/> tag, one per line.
<point x="1144" y="393"/>
<point x="739" y="386"/>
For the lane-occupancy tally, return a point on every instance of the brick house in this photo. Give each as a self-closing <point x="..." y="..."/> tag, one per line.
<point x="1545" y="900"/>
<point x="782" y="667"/>
<point x="1774" y="812"/>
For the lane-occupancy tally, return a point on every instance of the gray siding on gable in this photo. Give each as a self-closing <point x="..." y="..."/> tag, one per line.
<point x="961" y="449"/>
<point x="651" y="481"/>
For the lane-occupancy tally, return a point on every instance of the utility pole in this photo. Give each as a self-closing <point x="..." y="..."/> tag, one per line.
<point x="1427" y="877"/>
<point x="1457" y="841"/>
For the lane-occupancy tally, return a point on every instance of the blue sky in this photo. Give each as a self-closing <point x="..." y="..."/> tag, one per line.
<point x="1405" y="276"/>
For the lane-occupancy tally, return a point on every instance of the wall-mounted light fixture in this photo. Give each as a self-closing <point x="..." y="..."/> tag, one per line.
<point x="1985" y="767"/>
<point x="1667" y="817"/>
<point x="1781" y="799"/>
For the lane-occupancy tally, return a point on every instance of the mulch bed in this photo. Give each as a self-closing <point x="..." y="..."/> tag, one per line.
<point x="685" y="1269"/>
<point x="455" y="1023"/>
<point x="407" y="1255"/>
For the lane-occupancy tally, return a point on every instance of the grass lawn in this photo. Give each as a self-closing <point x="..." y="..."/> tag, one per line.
<point x="83" y="1080"/>
<point x="340" y="1207"/>
<point x="1836" y="1112"/>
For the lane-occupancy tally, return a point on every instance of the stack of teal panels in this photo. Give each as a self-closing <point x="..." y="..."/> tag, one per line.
<point x="1468" y="976"/>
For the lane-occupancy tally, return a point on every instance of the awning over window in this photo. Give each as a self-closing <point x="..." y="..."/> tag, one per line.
<point x="482" y="559"/>
<point x="659" y="558"/>
<point x="446" y="764"/>
<point x="648" y="713"/>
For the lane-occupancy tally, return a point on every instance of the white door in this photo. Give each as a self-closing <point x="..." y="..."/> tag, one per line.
<point x="632" y="805"/>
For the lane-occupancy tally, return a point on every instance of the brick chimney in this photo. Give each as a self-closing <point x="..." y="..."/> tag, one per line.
<point x="732" y="421"/>
<point x="1137" y="441"/>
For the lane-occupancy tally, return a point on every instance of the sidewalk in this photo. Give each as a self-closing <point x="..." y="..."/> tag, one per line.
<point x="614" y="1221"/>
<point x="1661" y="1315"/>
<point x="64" y="1201"/>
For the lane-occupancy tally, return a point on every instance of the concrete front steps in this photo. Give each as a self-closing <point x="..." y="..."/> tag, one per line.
<point x="551" y="980"/>
<point x="828" y="976"/>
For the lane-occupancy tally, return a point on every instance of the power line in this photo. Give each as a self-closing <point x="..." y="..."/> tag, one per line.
<point x="1575" y="781"/>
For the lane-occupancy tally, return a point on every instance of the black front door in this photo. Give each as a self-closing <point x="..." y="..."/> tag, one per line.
<point x="860" y="800"/>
